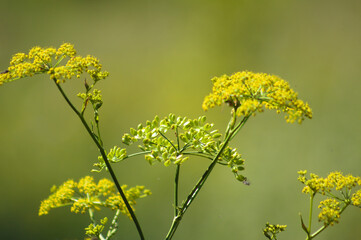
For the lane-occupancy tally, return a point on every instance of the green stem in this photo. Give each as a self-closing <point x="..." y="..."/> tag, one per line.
<point x="310" y="214"/>
<point x="325" y="226"/>
<point x="176" y="181"/>
<point x="203" y="155"/>
<point x="309" y="237"/>
<point x="201" y="182"/>
<point x="231" y="123"/>
<point x="135" y="154"/>
<point x="113" y="227"/>
<point x="177" y="136"/>
<point x="98" y="129"/>
<point x="317" y="232"/>
<point x="107" y="163"/>
<point x="168" y="140"/>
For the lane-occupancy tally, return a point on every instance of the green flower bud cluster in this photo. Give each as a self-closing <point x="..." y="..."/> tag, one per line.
<point x="172" y="140"/>
<point x="94" y="230"/>
<point x="272" y="230"/>
<point x="94" y="98"/>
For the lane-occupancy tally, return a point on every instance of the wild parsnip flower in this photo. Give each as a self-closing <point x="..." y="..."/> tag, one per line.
<point x="315" y="184"/>
<point x="356" y="198"/>
<point x="338" y="181"/>
<point x="62" y="196"/>
<point x="249" y="92"/>
<point x="86" y="194"/>
<point x="335" y="180"/>
<point x="81" y="205"/>
<point x="338" y="188"/>
<point x="330" y="212"/>
<point x="47" y="60"/>
<point x="116" y="202"/>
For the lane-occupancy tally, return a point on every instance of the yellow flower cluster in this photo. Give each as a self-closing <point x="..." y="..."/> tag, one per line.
<point x="86" y="194"/>
<point x="115" y="201"/>
<point x="356" y="198"/>
<point x="332" y="207"/>
<point x="40" y="60"/>
<point x="62" y="196"/>
<point x="249" y="92"/>
<point x="324" y="185"/>
<point x="330" y="212"/>
<point x="76" y="66"/>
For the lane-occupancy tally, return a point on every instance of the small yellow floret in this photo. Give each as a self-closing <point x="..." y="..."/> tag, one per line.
<point x="356" y="198"/>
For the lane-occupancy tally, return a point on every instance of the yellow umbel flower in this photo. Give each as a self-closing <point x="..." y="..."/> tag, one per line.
<point x="116" y="202"/>
<point x="62" y="196"/>
<point x="86" y="194"/>
<point x="356" y="198"/>
<point x="338" y="189"/>
<point x="335" y="180"/>
<point x="249" y="92"/>
<point x="47" y="60"/>
<point x="330" y="212"/>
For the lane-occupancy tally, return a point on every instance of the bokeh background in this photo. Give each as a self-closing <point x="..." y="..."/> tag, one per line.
<point x="161" y="56"/>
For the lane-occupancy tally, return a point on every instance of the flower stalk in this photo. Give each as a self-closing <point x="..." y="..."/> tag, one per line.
<point x="105" y="158"/>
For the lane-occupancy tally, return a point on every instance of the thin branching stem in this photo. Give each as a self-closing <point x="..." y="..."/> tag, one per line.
<point x="135" y="154"/>
<point x="310" y="217"/>
<point x="202" y="180"/>
<point x="177" y="136"/>
<point x="176" y="185"/>
<point x="104" y="155"/>
<point x="325" y="226"/>
<point x="113" y="226"/>
<point x="168" y="140"/>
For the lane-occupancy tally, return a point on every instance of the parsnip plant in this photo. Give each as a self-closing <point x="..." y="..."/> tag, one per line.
<point x="173" y="140"/>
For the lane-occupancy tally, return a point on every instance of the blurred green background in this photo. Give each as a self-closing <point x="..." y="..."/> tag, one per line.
<point x="161" y="56"/>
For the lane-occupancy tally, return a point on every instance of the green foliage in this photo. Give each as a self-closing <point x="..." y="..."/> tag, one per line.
<point x="172" y="140"/>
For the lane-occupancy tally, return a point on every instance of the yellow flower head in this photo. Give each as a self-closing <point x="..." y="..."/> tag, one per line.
<point x="47" y="60"/>
<point x="250" y="92"/>
<point x="330" y="211"/>
<point x="338" y="188"/>
<point x="334" y="181"/>
<point x="61" y="197"/>
<point x="356" y="198"/>
<point x="86" y="194"/>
